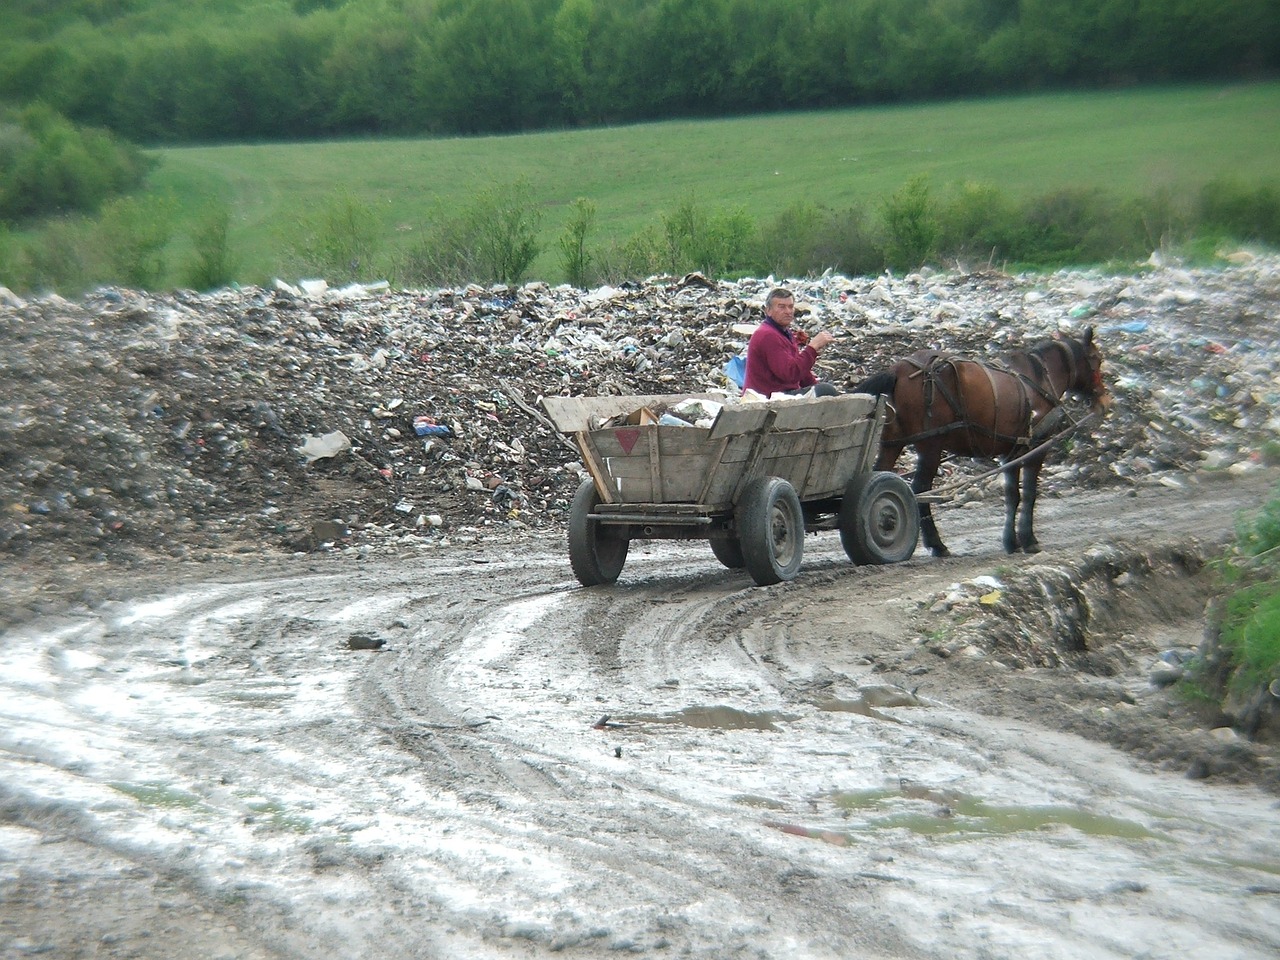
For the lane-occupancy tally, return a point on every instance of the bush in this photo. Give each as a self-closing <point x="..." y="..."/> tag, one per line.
<point x="131" y="236"/>
<point x="911" y="227"/>
<point x="846" y="241"/>
<point x="789" y="242"/>
<point x="494" y="239"/>
<point x="639" y="256"/>
<point x="1073" y="226"/>
<point x="49" y="166"/>
<point x="1242" y="212"/>
<point x="213" y="264"/>
<point x="337" y="241"/>
<point x="976" y="222"/>
<point x="716" y="243"/>
<point x="574" y="257"/>
<point x="58" y="258"/>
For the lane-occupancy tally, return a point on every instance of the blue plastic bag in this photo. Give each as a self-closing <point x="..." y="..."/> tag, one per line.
<point x="736" y="369"/>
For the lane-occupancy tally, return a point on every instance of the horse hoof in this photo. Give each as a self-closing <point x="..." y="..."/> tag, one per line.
<point x="1031" y="548"/>
<point x="940" y="551"/>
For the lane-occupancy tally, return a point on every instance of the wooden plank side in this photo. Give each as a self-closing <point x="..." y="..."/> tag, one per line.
<point x="829" y="475"/>
<point x="820" y="412"/>
<point x="574" y="414"/>
<point x="682" y="478"/>
<point x="634" y="441"/>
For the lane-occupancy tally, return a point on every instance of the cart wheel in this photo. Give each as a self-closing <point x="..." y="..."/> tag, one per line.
<point x="596" y="552"/>
<point x="770" y="530"/>
<point x="728" y="550"/>
<point x="879" y="519"/>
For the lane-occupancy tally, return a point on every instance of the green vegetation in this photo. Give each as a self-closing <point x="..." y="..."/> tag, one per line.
<point x="1038" y="181"/>
<point x="49" y="166"/>
<point x="1246" y="655"/>
<point x="169" y="71"/>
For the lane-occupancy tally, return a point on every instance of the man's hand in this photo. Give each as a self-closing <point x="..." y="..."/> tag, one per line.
<point x="820" y="341"/>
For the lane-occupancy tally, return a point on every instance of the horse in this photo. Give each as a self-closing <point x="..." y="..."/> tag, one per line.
<point x="1004" y="409"/>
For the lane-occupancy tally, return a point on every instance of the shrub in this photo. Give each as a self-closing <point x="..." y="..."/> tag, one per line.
<point x="131" y="236"/>
<point x="212" y="264"/>
<point x="910" y="220"/>
<point x="337" y="241"/>
<point x="58" y="257"/>
<point x="1075" y="226"/>
<point x="49" y="166"/>
<point x="789" y="242"/>
<point x="717" y="243"/>
<point x="846" y="241"/>
<point x="494" y="238"/>
<point x="1242" y="212"/>
<point x="637" y="257"/>
<point x="976" y="221"/>
<point x="574" y="257"/>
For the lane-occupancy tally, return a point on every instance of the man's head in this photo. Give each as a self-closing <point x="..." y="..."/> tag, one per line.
<point x="780" y="307"/>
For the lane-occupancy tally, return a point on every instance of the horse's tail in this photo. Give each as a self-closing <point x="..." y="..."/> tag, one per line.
<point x="880" y="384"/>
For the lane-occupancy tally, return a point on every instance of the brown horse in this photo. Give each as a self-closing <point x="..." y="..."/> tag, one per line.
<point x="1001" y="409"/>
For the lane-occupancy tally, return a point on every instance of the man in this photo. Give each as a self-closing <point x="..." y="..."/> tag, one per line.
<point x="777" y="360"/>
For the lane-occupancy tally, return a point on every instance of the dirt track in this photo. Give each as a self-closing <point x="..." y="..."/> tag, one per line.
<point x="806" y="770"/>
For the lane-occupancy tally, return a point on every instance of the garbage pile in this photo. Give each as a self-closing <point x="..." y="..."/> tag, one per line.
<point x="300" y="418"/>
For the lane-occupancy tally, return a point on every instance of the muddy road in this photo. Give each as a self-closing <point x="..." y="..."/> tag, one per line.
<point x="469" y="756"/>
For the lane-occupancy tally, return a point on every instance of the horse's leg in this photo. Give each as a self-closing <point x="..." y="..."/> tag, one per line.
<point x="1030" y="487"/>
<point x="889" y="454"/>
<point x="927" y="462"/>
<point x="1011" y="500"/>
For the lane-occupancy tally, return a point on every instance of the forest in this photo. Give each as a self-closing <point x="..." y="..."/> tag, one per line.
<point x="166" y="72"/>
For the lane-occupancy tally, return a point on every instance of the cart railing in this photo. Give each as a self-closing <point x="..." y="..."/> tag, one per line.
<point x="817" y="445"/>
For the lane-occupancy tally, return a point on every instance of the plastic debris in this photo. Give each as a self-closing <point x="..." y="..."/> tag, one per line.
<point x="188" y="406"/>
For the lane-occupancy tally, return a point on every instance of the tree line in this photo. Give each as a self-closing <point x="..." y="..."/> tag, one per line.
<point x="165" y="72"/>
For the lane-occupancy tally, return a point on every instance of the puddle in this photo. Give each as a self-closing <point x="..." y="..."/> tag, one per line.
<point x="959" y="816"/>
<point x="157" y="794"/>
<point x="764" y="803"/>
<point x="716" y="718"/>
<point x="861" y="707"/>
<point x="280" y="818"/>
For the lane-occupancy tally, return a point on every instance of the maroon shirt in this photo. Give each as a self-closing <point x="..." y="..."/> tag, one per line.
<point x="775" y="363"/>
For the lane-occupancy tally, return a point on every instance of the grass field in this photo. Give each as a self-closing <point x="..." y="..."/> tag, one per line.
<point x="1128" y="142"/>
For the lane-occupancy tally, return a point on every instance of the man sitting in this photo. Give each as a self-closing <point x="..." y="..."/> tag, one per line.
<point x="779" y="359"/>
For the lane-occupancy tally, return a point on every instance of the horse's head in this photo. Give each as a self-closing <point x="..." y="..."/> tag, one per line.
<point x="1086" y="370"/>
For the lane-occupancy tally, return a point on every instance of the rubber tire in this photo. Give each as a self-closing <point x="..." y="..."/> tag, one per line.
<point x="770" y="530"/>
<point x="879" y="519"/>
<point x="728" y="551"/>
<point x="596" y="553"/>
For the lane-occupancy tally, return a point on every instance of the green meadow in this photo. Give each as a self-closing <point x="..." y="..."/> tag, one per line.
<point x="1129" y="143"/>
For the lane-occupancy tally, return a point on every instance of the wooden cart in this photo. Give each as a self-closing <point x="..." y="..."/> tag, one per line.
<point x="752" y="483"/>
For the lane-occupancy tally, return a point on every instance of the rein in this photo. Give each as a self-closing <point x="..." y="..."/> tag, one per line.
<point x="939" y="494"/>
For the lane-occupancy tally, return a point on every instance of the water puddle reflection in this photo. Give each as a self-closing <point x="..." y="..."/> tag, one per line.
<point x="940" y="812"/>
<point x="716" y="718"/>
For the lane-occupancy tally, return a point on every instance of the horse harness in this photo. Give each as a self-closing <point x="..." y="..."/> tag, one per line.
<point x="930" y="371"/>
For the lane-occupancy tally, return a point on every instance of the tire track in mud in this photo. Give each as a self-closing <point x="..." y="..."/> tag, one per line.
<point x="450" y="796"/>
<point x="611" y="647"/>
